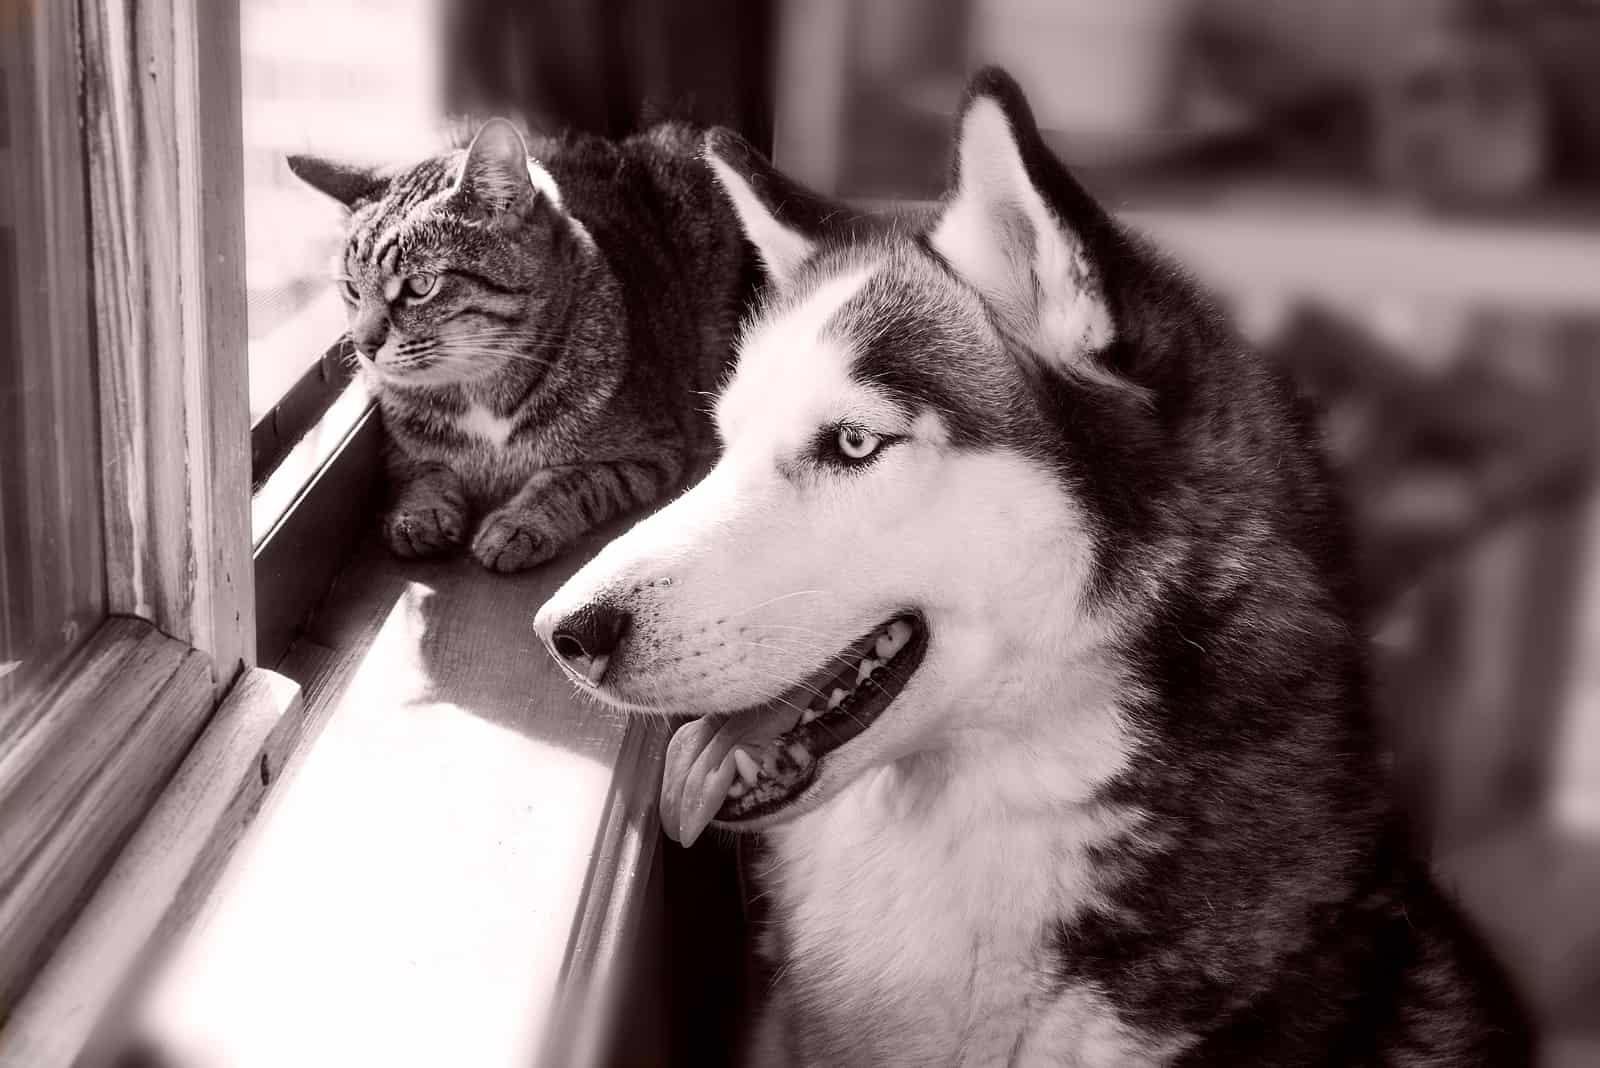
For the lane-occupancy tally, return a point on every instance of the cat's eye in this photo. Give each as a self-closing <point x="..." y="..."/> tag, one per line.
<point x="419" y="287"/>
<point x="857" y="444"/>
<point x="351" y="293"/>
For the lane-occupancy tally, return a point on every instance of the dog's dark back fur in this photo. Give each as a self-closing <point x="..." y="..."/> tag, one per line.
<point x="1283" y="914"/>
<point x="1272" y="907"/>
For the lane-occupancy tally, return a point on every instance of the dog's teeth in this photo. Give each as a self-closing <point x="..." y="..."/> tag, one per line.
<point x="800" y="754"/>
<point x="736" y="789"/>
<point x="898" y="634"/>
<point x="867" y="667"/>
<point x="748" y="770"/>
<point x="836" y="698"/>
<point x="808" y="715"/>
<point x="884" y="647"/>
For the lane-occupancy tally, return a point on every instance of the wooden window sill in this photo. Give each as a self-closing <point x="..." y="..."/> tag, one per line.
<point x="73" y="1012"/>
<point x="453" y="862"/>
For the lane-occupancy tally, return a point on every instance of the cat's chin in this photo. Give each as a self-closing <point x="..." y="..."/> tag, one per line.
<point x="378" y="374"/>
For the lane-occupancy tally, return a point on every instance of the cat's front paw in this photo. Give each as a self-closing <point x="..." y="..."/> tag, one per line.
<point x="513" y="540"/>
<point x="423" y="530"/>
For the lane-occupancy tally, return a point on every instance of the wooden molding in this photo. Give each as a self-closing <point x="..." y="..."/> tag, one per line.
<point x="158" y="881"/>
<point x="78" y="772"/>
<point x="1360" y="253"/>
<point x="161" y="99"/>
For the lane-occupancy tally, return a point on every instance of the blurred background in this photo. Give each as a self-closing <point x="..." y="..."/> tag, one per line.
<point x="1399" y="198"/>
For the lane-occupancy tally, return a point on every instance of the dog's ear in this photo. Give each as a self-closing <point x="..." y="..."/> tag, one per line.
<point x="783" y="220"/>
<point x="350" y="185"/>
<point x="1020" y="230"/>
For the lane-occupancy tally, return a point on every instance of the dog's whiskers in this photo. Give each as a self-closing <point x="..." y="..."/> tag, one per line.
<point x="771" y="601"/>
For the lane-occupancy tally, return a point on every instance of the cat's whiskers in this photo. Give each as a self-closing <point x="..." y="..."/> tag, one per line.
<point x="503" y="355"/>
<point x="495" y="346"/>
<point x="517" y="337"/>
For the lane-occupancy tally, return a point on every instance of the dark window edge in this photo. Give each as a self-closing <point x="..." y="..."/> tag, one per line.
<point x="298" y="410"/>
<point x="307" y="542"/>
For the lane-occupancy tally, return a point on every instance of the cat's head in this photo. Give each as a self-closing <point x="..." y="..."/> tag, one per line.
<point x="446" y="263"/>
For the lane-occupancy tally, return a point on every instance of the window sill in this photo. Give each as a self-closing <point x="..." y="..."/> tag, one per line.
<point x="452" y="864"/>
<point x="73" y="1011"/>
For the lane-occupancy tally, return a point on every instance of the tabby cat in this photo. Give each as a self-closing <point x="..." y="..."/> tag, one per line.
<point x="539" y="331"/>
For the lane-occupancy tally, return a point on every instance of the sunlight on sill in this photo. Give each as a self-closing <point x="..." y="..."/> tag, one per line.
<point x="407" y="897"/>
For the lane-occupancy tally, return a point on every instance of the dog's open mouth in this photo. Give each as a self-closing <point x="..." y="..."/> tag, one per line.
<point x="752" y="763"/>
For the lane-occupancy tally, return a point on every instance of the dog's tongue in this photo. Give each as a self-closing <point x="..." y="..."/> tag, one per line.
<point x="700" y="766"/>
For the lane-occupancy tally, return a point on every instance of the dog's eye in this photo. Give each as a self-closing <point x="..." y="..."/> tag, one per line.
<point x="419" y="287"/>
<point x="857" y="444"/>
<point x="847" y="445"/>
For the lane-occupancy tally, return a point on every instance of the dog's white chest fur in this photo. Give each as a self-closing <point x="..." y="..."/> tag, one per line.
<point x="917" y="937"/>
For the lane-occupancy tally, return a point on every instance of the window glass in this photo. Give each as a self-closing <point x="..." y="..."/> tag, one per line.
<point x="352" y="79"/>
<point x="52" y="569"/>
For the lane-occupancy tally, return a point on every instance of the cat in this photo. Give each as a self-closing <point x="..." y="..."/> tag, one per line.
<point x="540" y="331"/>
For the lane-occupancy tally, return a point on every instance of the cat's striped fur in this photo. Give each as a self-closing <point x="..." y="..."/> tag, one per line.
<point x="539" y="329"/>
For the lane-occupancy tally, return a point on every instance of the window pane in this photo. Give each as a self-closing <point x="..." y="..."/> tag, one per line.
<point x="51" y="566"/>
<point x="350" y="79"/>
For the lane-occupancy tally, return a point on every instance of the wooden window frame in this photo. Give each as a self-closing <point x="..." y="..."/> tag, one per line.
<point x="150" y="175"/>
<point x="161" y="99"/>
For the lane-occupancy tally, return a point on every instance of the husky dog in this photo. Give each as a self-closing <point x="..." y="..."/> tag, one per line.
<point x="1019" y="619"/>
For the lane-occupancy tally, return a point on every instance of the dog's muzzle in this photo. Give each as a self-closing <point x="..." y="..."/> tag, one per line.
<point x="751" y="764"/>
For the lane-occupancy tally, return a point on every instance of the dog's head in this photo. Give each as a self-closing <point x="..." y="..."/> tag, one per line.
<point x="911" y="509"/>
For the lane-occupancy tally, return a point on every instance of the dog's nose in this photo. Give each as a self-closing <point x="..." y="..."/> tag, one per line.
<point x="587" y="638"/>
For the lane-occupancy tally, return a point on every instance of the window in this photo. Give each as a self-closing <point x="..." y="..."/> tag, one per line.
<point x="52" y="589"/>
<point x="164" y="284"/>
<point x="350" y="79"/>
<point x="354" y="80"/>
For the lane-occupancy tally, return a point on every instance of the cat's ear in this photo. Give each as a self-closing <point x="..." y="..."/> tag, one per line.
<point x="782" y="219"/>
<point x="347" y="183"/>
<point x="1019" y="228"/>
<point x="495" y="174"/>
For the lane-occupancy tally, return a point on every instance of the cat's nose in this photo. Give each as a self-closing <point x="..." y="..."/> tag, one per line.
<point x="586" y="638"/>
<point x="369" y="335"/>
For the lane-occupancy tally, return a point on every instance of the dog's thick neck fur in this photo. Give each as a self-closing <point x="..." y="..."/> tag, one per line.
<point x="907" y="911"/>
